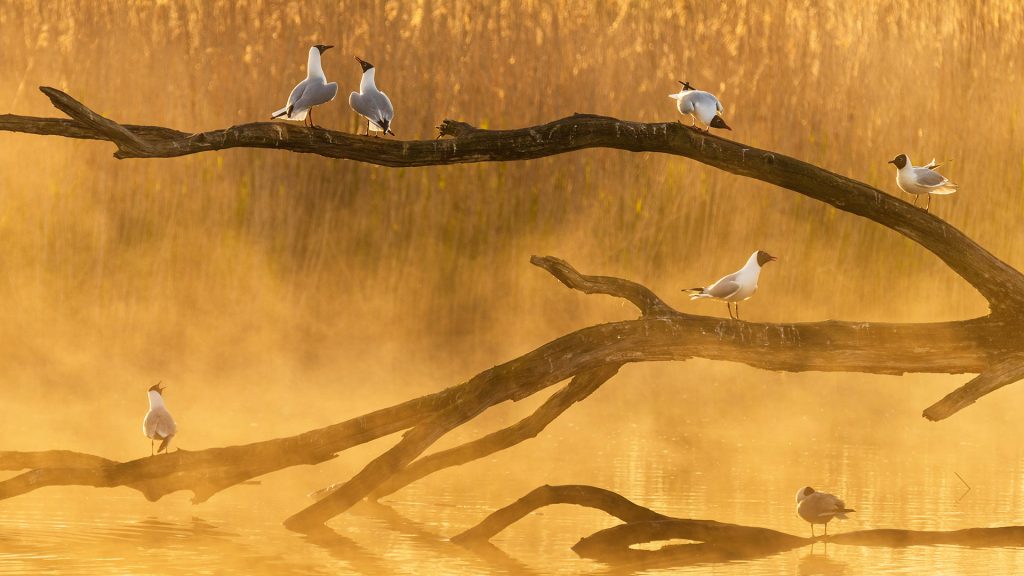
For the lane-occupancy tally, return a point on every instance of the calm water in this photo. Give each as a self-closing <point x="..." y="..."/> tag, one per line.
<point x="89" y="531"/>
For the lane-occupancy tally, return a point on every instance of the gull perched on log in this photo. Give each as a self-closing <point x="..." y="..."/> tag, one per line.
<point x="735" y="287"/>
<point x="819" y="507"/>
<point x="312" y="91"/>
<point x="371" y="103"/>
<point x="158" y="423"/>
<point x="917" y="180"/>
<point x="699" y="105"/>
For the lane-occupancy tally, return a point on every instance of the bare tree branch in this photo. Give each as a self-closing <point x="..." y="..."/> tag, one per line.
<point x="580" y="495"/>
<point x="712" y="541"/>
<point x="1005" y="371"/>
<point x="999" y="283"/>
<point x="582" y="386"/>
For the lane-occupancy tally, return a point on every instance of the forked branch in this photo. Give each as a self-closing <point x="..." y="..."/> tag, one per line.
<point x="992" y="347"/>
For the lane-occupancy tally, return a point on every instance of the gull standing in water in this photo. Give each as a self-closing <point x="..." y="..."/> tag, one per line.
<point x="701" y="106"/>
<point x="917" y="180"/>
<point x="371" y="103"/>
<point x="158" y="424"/>
<point x="312" y="91"/>
<point x="735" y="287"/>
<point x="819" y="507"/>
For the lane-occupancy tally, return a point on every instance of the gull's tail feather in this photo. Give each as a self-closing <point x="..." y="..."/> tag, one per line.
<point x="717" y="122"/>
<point x="163" y="445"/>
<point x="287" y="113"/>
<point x="945" y="189"/>
<point x="696" y="293"/>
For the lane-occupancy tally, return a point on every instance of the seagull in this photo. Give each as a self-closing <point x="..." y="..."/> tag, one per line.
<point x="819" y="507"/>
<point x="371" y="103"/>
<point x="700" y="105"/>
<point x="312" y="91"/>
<point x="735" y="287"/>
<point x="919" y="180"/>
<point x="158" y="423"/>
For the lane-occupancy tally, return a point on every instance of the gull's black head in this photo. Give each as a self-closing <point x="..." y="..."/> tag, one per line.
<point x="686" y="85"/>
<point x="157" y="388"/>
<point x="366" y="65"/>
<point x="804" y="493"/>
<point x="764" y="258"/>
<point x="900" y="161"/>
<point x="323" y="47"/>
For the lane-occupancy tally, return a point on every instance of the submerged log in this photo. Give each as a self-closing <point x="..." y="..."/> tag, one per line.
<point x="709" y="541"/>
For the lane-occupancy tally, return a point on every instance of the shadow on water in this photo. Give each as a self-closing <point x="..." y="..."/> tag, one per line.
<point x="65" y="545"/>
<point x="680" y="556"/>
<point x="818" y="563"/>
<point x="346" y="550"/>
<point x="496" y="559"/>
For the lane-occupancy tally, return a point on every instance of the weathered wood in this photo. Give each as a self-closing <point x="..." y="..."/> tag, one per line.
<point x="999" y="283"/>
<point x="711" y="541"/>
<point x="413" y="443"/>
<point x="1002" y="372"/>
<point x="949" y="347"/>
<point x="579" y="495"/>
<point x="992" y="347"/>
<point x="582" y="386"/>
<point x="639" y="295"/>
<point x="206" y="472"/>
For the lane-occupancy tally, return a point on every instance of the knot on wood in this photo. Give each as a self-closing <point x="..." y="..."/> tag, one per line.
<point x="455" y="129"/>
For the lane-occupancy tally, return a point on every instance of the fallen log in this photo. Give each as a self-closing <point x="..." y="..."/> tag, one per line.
<point x="709" y="541"/>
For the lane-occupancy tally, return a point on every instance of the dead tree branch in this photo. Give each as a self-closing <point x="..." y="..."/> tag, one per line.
<point x="713" y="541"/>
<point x="578" y="390"/>
<point x="580" y="495"/>
<point x="999" y="283"/>
<point x="992" y="346"/>
<point x="591" y="354"/>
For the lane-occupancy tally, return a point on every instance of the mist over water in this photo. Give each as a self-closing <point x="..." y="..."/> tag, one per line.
<point x="276" y="293"/>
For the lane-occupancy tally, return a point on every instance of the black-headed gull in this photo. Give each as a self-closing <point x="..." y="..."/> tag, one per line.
<point x="158" y="424"/>
<point x="735" y="287"/>
<point x="371" y="103"/>
<point x="919" y="180"/>
<point x="701" y="106"/>
<point x="819" y="507"/>
<point x="312" y="91"/>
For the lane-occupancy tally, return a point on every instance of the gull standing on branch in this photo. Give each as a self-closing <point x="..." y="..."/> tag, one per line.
<point x="819" y="507"/>
<point x="701" y="106"/>
<point x="919" y="180"/>
<point x="735" y="287"/>
<point x="158" y="424"/>
<point x="371" y="103"/>
<point x="312" y="91"/>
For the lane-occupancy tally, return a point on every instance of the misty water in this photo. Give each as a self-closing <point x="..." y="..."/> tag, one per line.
<point x="276" y="293"/>
<point x="651" y="434"/>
